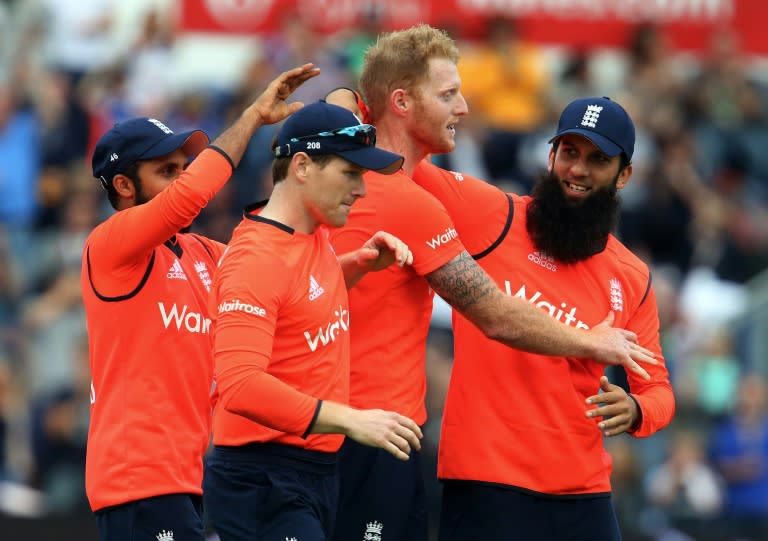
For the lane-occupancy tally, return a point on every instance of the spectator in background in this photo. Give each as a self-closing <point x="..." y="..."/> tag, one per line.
<point x="20" y="159"/>
<point x="79" y="36"/>
<point x="739" y="451"/>
<point x="506" y="80"/>
<point x="685" y="488"/>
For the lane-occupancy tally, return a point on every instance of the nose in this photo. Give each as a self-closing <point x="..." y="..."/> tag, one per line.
<point x="579" y="168"/>
<point x="461" y="106"/>
<point x="359" y="189"/>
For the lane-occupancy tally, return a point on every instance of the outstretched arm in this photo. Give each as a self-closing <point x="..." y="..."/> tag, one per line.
<point x="514" y="322"/>
<point x="126" y="240"/>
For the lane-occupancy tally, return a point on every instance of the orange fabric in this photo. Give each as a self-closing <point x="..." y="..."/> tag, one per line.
<point x="390" y="310"/>
<point x="517" y="418"/>
<point x="150" y="343"/>
<point x="281" y="338"/>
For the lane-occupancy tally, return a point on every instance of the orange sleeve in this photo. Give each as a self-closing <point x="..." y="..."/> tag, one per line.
<point x="655" y="397"/>
<point x="481" y="212"/>
<point x="123" y="244"/>
<point x="243" y="341"/>
<point x="411" y="214"/>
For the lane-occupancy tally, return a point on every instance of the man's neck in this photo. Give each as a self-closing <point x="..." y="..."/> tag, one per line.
<point x="392" y="136"/>
<point x="286" y="207"/>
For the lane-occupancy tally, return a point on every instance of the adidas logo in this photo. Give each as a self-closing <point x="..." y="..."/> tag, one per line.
<point x="176" y="272"/>
<point x="546" y="261"/>
<point x="315" y="289"/>
<point x="165" y="535"/>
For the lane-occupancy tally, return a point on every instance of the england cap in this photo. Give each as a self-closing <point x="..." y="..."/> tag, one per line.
<point x="140" y="139"/>
<point x="602" y="121"/>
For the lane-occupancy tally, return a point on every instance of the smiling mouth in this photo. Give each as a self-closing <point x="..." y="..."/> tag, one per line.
<point x="576" y="187"/>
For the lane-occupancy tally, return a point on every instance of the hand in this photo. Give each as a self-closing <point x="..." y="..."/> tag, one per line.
<point x="381" y="251"/>
<point x="619" y="346"/>
<point x="271" y="105"/>
<point x="614" y="402"/>
<point x="387" y="430"/>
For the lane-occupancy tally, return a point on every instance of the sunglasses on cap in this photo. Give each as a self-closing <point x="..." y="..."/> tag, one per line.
<point x="363" y="135"/>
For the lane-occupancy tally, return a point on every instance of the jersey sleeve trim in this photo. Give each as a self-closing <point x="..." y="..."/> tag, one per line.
<point x="217" y="149"/>
<point x="119" y="297"/>
<point x="503" y="233"/>
<point x="313" y="421"/>
<point x="647" y="289"/>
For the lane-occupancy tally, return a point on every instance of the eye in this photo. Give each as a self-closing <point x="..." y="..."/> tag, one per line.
<point x="602" y="159"/>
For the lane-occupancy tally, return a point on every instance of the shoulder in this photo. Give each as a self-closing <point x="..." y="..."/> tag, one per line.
<point x="628" y="261"/>
<point x="635" y="272"/>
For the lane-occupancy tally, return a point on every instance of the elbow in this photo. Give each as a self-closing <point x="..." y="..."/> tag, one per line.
<point x="496" y="330"/>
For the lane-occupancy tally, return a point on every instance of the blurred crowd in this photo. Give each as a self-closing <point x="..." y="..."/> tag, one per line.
<point x="696" y="211"/>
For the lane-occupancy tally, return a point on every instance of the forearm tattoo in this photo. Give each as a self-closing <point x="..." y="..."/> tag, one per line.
<point x="461" y="282"/>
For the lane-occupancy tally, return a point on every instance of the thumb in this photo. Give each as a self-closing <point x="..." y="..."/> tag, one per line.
<point x="605" y="385"/>
<point x="608" y="319"/>
<point x="295" y="106"/>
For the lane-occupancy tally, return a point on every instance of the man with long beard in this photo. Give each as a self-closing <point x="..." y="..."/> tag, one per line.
<point x="521" y="451"/>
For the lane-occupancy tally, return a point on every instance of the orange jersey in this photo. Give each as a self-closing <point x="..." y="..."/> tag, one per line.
<point x="518" y="418"/>
<point x="145" y="300"/>
<point x="390" y="309"/>
<point x="281" y="339"/>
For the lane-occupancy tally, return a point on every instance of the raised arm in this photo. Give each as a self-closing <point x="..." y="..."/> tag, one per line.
<point x="132" y="234"/>
<point x="463" y="284"/>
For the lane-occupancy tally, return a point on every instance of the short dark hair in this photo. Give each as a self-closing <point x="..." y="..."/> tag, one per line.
<point x="280" y="165"/>
<point x="132" y="172"/>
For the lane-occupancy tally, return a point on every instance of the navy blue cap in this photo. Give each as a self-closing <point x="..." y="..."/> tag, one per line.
<point x="140" y="139"/>
<point x="602" y="121"/>
<point x="322" y="128"/>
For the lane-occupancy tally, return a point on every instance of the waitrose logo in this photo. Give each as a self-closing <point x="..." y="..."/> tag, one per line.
<point x="442" y="238"/>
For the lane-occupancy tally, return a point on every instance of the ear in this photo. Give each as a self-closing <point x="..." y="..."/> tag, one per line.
<point x="300" y="164"/>
<point x="551" y="158"/>
<point x="400" y="101"/>
<point x="624" y="176"/>
<point x="124" y="186"/>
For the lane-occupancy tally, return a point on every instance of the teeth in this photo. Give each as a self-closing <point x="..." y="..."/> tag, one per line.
<point x="576" y="188"/>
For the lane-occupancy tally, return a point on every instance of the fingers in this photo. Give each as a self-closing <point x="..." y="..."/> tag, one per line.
<point x="411" y="432"/>
<point x="629" y="336"/>
<point x="395" y="451"/>
<point x="642" y="355"/>
<point x="402" y="254"/>
<point x="404" y="437"/>
<point x="632" y="366"/>
<point x="295" y="77"/>
<point x="615" y="410"/>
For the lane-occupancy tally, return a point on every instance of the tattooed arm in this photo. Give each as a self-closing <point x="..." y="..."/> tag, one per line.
<point x="463" y="284"/>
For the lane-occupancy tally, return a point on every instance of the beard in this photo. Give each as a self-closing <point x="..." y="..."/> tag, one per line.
<point x="567" y="232"/>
